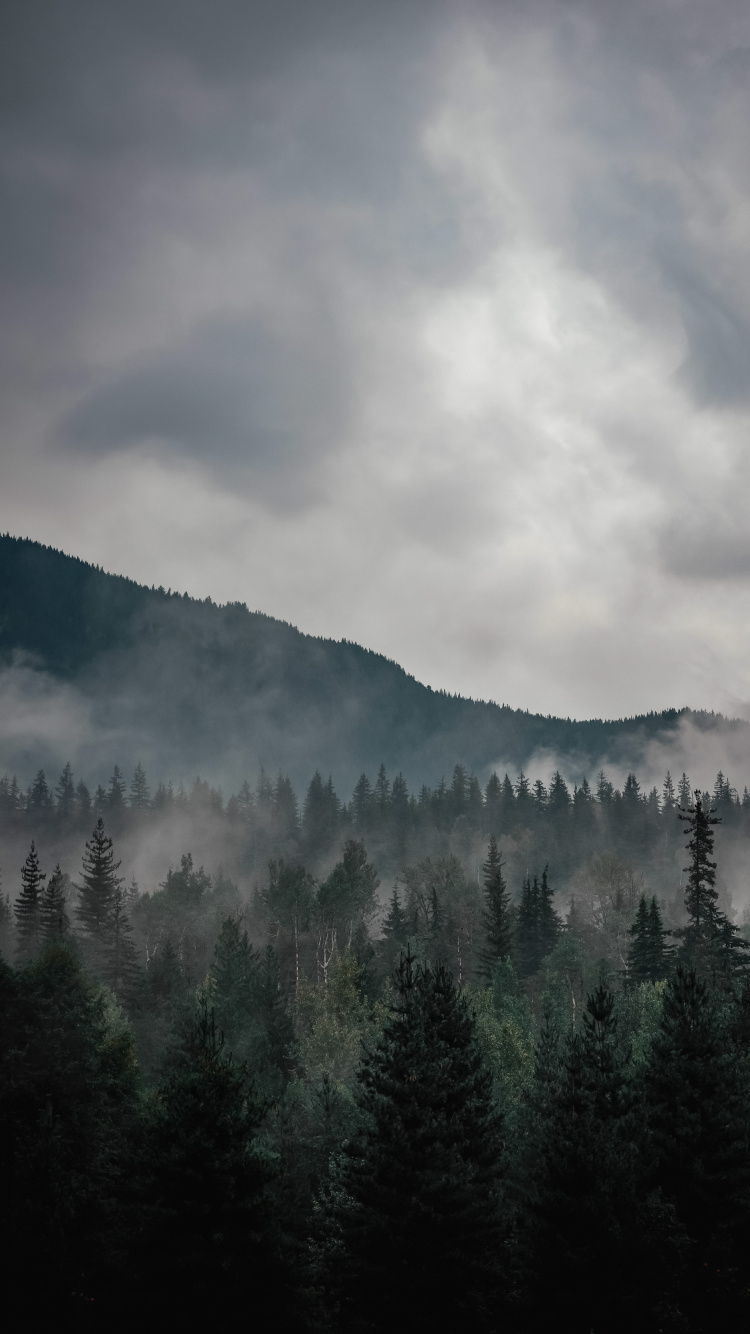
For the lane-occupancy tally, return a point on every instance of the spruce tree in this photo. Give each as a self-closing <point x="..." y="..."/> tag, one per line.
<point x="65" y="794"/>
<point x="54" y="920"/>
<point x="97" y="890"/>
<point x="549" y="924"/>
<point x="28" y="908"/>
<point x="206" y="1239"/>
<point x="597" y="1246"/>
<point x="419" y="1208"/>
<point x="711" y="944"/>
<point x="498" y="916"/>
<point x="696" y="1088"/>
<point x="648" y="956"/>
<point x="526" y="941"/>
<point x="140" y="796"/>
<point x="119" y="967"/>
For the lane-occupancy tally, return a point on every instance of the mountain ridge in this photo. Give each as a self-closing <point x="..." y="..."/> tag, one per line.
<point x="203" y="685"/>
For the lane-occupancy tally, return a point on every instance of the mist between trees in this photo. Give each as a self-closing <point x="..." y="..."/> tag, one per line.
<point x="464" y="1055"/>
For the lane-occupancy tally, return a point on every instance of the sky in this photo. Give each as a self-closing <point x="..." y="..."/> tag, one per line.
<point x="421" y="324"/>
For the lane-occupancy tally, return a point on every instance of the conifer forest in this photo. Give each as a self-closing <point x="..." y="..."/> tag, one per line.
<point x="471" y="1054"/>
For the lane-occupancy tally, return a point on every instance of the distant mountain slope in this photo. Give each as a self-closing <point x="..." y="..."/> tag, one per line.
<point x="193" y="686"/>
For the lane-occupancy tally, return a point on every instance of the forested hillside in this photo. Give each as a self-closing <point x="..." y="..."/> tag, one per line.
<point x="190" y="687"/>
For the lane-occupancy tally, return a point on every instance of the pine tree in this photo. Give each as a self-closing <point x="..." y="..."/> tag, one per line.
<point x="119" y="968"/>
<point x="28" y="908"/>
<point x="395" y="933"/>
<point x="140" y="796"/>
<point x="54" y="920"/>
<point x="116" y="794"/>
<point x="598" y="1245"/>
<point x="492" y="805"/>
<point x="695" y="1084"/>
<point x="206" y="1232"/>
<point x="83" y="801"/>
<point x="97" y="890"/>
<point x="65" y="794"/>
<point x="684" y="792"/>
<point x="419" y="1214"/>
<point x="711" y="944"/>
<point x="498" y="916"/>
<point x="550" y="925"/>
<point x="668" y="798"/>
<point x="7" y="928"/>
<point x="39" y="798"/>
<point x="528" y="958"/>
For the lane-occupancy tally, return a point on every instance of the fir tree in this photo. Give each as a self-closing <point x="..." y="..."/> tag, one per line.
<point x="206" y="1231"/>
<point x="65" y="794"/>
<point x="550" y="925"/>
<point x="419" y="1216"/>
<point x="28" y="908"/>
<point x="140" y="796"/>
<point x="54" y="920"/>
<point x="710" y="942"/>
<point x="492" y="805"/>
<point x="119" y="967"/>
<point x="498" y="917"/>
<point x="39" y="798"/>
<point x="97" y="890"/>
<point x="648" y="956"/>
<point x="599" y="1246"/>
<point x="116" y="794"/>
<point x="696" y="1097"/>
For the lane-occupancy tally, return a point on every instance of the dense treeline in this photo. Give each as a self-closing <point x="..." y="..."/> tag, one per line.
<point x="476" y="1109"/>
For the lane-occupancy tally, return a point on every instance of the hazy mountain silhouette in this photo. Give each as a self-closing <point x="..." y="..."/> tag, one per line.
<point x="196" y="686"/>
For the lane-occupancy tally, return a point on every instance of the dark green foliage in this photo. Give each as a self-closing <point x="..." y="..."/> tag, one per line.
<point x="696" y="1089"/>
<point x="538" y="926"/>
<point x="498" y="918"/>
<point x="53" y="914"/>
<point x="119" y="965"/>
<point x="67" y="1100"/>
<point x="648" y="956"/>
<point x="206" y="1240"/>
<point x="97" y="890"/>
<point x="140" y="796"/>
<point x="599" y="1247"/>
<point x="711" y="944"/>
<point x="28" y="908"/>
<point x="419" y="1205"/>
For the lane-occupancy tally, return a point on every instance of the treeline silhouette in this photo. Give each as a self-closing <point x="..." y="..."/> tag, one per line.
<point x="477" y="1110"/>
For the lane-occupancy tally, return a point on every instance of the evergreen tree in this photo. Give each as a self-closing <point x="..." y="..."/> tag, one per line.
<point x="54" y="920"/>
<point x="28" y="908"/>
<point x="528" y="958"/>
<point x="550" y="925"/>
<point x="116" y="793"/>
<point x="140" y="796"/>
<point x="83" y="801"/>
<point x="684" y="792"/>
<point x="599" y="1246"/>
<point x="498" y="917"/>
<point x="419" y="1211"/>
<point x="710" y="942"/>
<point x="696" y="1085"/>
<point x="39" y="798"/>
<point x="206" y="1231"/>
<point x="668" y="798"/>
<point x="119" y="967"/>
<point x="395" y="933"/>
<point x="65" y="794"/>
<point x="7" y="928"/>
<point x="492" y="805"/>
<point x="97" y="890"/>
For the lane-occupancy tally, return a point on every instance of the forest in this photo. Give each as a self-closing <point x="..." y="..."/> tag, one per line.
<point x="475" y="1053"/>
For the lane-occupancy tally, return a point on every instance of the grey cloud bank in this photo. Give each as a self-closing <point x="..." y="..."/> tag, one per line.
<point x="427" y="326"/>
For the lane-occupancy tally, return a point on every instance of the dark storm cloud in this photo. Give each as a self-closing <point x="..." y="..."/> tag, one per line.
<point x="235" y="396"/>
<point x="444" y="304"/>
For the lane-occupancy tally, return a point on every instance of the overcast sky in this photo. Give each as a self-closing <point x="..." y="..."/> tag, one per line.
<point x="422" y="324"/>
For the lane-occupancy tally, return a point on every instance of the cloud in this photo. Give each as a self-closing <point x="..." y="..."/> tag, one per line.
<point x="422" y="325"/>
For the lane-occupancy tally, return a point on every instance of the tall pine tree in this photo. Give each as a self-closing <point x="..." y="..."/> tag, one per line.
<point x="97" y="891"/>
<point x="419" y="1215"/>
<point x="28" y="908"/>
<point x="498" y="913"/>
